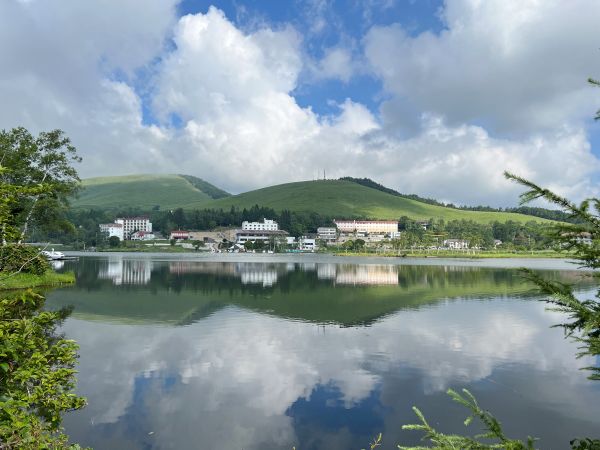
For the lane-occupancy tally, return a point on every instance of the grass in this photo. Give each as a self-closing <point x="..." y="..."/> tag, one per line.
<point x="141" y="191"/>
<point x="345" y="199"/>
<point x="333" y="198"/>
<point x="28" y="280"/>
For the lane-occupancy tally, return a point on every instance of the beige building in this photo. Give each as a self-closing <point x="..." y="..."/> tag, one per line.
<point x="367" y="226"/>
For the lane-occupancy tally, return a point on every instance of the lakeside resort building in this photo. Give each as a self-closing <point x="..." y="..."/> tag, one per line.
<point x="367" y="226"/>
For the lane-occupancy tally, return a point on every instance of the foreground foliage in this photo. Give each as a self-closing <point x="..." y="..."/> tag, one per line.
<point x="19" y="258"/>
<point x="584" y="315"/>
<point x="37" y="374"/>
<point x="40" y="176"/>
<point x="493" y="430"/>
<point x="37" y="365"/>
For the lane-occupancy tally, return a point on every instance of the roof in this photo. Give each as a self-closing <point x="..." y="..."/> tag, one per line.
<point x="118" y="225"/>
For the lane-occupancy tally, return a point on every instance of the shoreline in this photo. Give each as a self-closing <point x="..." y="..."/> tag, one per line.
<point x="401" y="254"/>
<point x="541" y="263"/>
<point x="461" y="255"/>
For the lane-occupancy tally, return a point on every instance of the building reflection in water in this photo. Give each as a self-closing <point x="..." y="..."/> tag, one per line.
<point x="139" y="271"/>
<point x="268" y="274"/>
<point x="126" y="271"/>
<point x="367" y="275"/>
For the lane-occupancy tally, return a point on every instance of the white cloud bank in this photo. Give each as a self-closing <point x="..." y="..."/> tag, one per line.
<point x="517" y="67"/>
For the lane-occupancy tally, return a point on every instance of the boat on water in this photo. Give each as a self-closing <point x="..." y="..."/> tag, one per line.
<point x="53" y="255"/>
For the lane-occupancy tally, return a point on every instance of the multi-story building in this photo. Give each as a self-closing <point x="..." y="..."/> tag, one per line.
<point x="367" y="226"/>
<point x="243" y="236"/>
<point x="327" y="233"/>
<point x="112" y="229"/>
<point x="266" y="225"/>
<point x="133" y="224"/>
<point x="307" y="244"/>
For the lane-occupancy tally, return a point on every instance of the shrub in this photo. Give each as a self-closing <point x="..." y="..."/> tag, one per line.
<point x="15" y="258"/>
<point x="37" y="374"/>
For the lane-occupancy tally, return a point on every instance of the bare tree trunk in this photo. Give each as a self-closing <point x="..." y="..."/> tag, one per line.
<point x="30" y="213"/>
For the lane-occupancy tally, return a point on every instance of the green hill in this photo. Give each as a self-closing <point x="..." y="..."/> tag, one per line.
<point x="332" y="198"/>
<point x="346" y="199"/>
<point x="146" y="192"/>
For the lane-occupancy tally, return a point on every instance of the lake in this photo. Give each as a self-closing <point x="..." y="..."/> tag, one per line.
<point x="316" y="352"/>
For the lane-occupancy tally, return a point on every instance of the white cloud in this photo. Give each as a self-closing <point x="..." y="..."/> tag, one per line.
<point x="515" y="65"/>
<point x="506" y="66"/>
<point x="337" y="63"/>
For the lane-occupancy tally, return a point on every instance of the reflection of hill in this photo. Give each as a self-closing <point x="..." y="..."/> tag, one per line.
<point x="323" y="293"/>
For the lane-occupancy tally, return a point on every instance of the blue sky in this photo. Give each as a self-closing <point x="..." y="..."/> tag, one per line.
<point x="436" y="98"/>
<point x="347" y="21"/>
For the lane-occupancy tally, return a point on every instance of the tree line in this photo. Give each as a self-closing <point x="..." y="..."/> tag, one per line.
<point x="85" y="230"/>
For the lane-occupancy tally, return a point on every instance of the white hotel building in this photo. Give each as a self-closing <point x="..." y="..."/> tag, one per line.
<point x="266" y="225"/>
<point x="259" y="231"/>
<point x="124" y="227"/>
<point x="367" y="226"/>
<point x="112" y="229"/>
<point x="132" y="224"/>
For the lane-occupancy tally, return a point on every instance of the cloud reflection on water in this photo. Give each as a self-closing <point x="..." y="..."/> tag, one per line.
<point x="232" y="379"/>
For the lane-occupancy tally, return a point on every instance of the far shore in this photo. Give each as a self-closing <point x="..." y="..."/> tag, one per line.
<point x="407" y="253"/>
<point x="522" y="260"/>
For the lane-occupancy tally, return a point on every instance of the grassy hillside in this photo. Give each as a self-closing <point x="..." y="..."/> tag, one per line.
<point x="145" y="192"/>
<point x="334" y="198"/>
<point x="345" y="199"/>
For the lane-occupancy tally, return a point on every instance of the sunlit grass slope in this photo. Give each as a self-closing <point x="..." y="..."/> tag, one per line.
<point x="141" y="191"/>
<point x="345" y="199"/>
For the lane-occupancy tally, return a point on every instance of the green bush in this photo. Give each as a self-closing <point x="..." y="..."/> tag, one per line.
<point x="15" y="258"/>
<point x="37" y="374"/>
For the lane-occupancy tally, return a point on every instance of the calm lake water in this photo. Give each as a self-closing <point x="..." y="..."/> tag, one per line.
<point x="316" y="352"/>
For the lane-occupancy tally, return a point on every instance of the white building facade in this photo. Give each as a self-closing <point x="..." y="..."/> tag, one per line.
<point x="367" y="226"/>
<point x="265" y="225"/>
<point x="307" y="244"/>
<point x="133" y="224"/>
<point x="328" y="234"/>
<point x="112" y="229"/>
